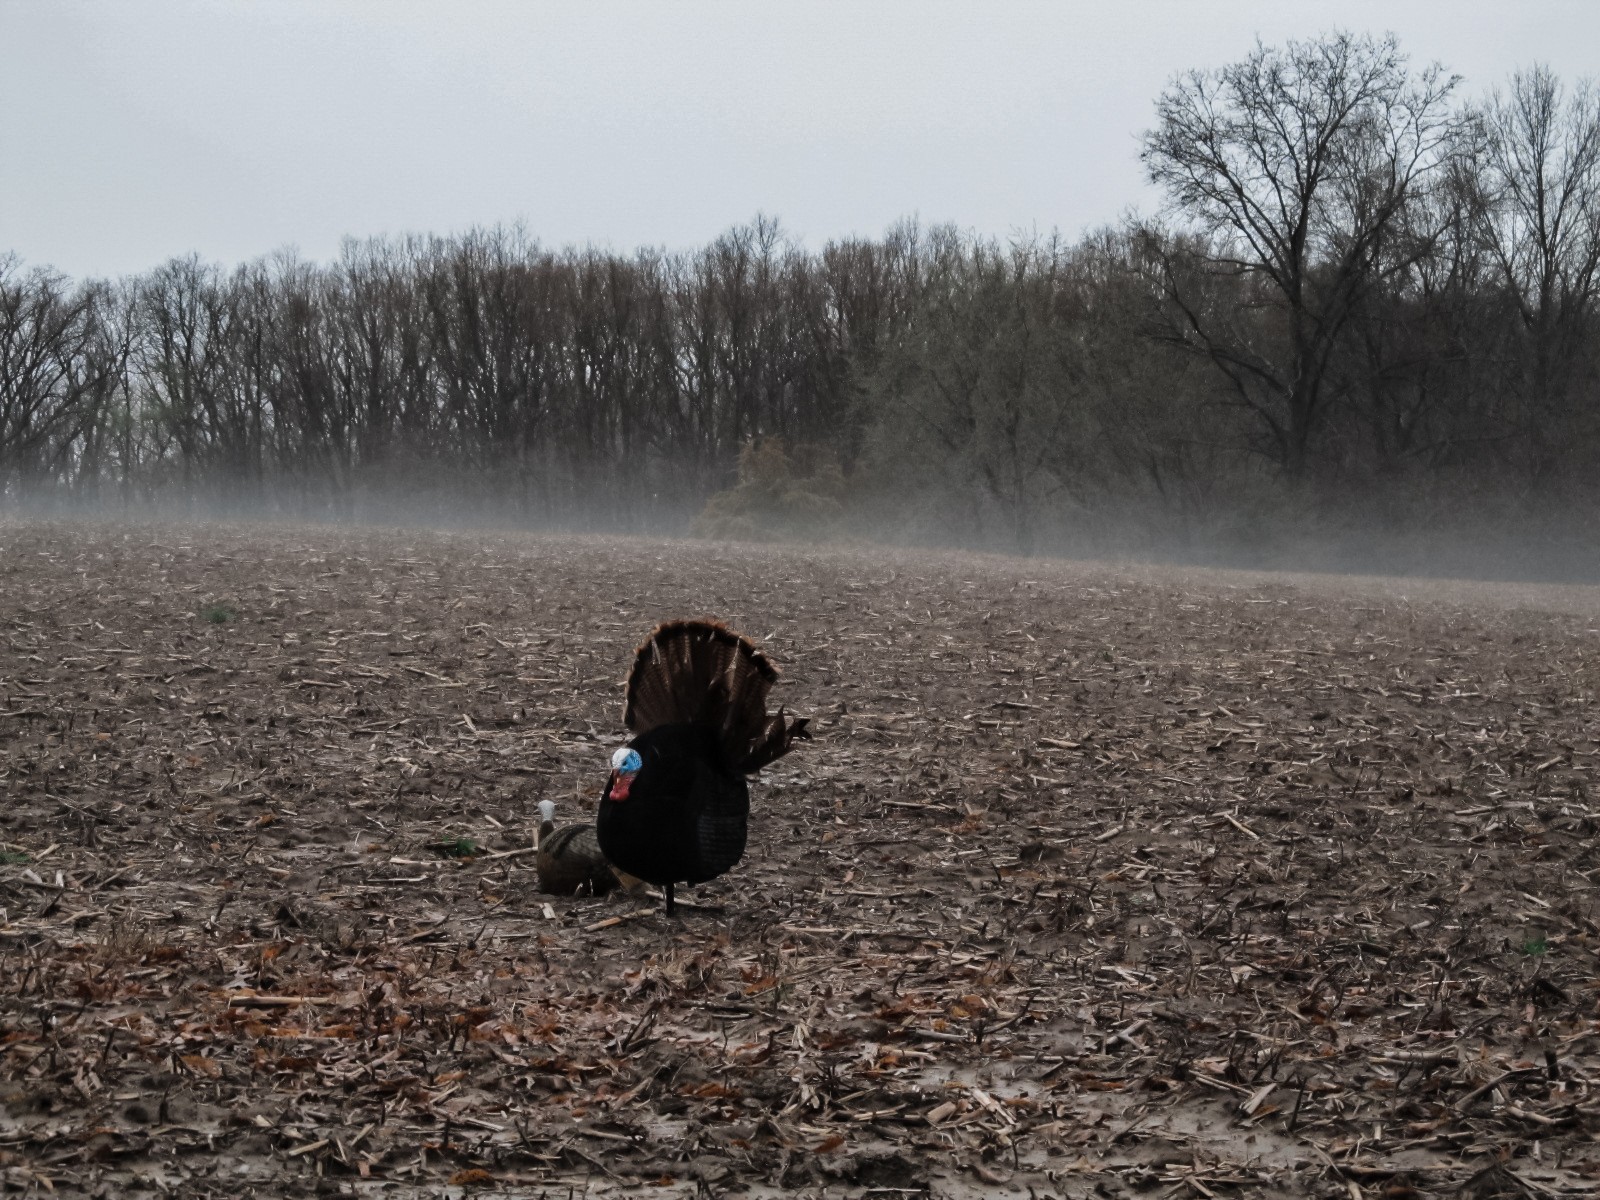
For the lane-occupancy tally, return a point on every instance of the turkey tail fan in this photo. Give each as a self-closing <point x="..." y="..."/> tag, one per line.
<point x="702" y="673"/>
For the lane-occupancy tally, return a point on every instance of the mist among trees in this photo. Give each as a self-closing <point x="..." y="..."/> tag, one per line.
<point x="1368" y="312"/>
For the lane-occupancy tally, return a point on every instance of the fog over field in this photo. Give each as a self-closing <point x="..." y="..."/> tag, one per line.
<point x="1340" y="312"/>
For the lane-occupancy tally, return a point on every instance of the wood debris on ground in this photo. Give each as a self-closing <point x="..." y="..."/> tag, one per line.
<point x="1097" y="880"/>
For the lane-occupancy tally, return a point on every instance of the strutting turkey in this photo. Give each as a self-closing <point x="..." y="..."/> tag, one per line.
<point x="676" y="806"/>
<point x="569" y="861"/>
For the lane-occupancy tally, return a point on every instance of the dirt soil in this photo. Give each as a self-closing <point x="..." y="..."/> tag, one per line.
<point x="1096" y="879"/>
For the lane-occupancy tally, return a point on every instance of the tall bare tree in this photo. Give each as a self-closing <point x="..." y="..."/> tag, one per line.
<point x="1295" y="163"/>
<point x="985" y="383"/>
<point x="48" y="376"/>
<point x="1542" y="226"/>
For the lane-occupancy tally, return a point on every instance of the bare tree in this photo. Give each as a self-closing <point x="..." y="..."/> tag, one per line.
<point x="96" y="371"/>
<point x="1295" y="164"/>
<point x="182" y="355"/>
<point x="985" y="382"/>
<point x="1542" y="227"/>
<point x="48" y="378"/>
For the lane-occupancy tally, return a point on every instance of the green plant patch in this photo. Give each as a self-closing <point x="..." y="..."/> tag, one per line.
<point x="217" y="614"/>
<point x="458" y="848"/>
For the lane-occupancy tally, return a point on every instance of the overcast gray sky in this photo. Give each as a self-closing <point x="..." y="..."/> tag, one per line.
<point x="131" y="132"/>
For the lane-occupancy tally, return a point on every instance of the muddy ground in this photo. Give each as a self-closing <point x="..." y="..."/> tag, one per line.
<point x="1096" y="880"/>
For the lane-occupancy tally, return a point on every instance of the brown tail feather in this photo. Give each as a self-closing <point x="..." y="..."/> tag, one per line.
<point x="701" y="672"/>
<point x="776" y="741"/>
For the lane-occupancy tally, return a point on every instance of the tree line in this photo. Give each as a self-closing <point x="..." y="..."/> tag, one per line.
<point x="1365" y="293"/>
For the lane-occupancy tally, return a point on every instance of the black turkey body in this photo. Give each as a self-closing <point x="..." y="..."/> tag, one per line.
<point x="687" y="816"/>
<point x="696" y="703"/>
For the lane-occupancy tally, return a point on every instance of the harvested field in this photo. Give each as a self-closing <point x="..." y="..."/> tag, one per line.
<point x="1096" y="880"/>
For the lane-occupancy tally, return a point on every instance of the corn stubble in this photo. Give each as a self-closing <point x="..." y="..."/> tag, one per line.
<point x="1092" y="878"/>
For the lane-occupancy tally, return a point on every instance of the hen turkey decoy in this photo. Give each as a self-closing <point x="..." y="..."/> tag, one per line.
<point x="676" y="807"/>
<point x="569" y="861"/>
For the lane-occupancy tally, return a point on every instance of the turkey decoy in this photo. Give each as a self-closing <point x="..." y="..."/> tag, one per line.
<point x="569" y="860"/>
